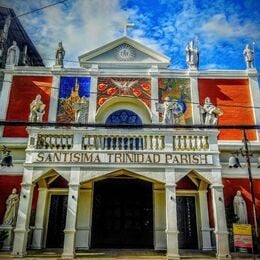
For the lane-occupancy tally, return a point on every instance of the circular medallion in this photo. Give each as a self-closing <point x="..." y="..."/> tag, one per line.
<point x="125" y="53"/>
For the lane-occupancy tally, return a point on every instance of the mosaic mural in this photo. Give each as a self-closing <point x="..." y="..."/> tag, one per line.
<point x="73" y="91"/>
<point x="133" y="87"/>
<point x="178" y="90"/>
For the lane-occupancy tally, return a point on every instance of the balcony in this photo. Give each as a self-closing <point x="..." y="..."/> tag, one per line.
<point x="103" y="145"/>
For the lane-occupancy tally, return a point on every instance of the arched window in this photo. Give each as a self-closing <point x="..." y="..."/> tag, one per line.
<point x="124" y="117"/>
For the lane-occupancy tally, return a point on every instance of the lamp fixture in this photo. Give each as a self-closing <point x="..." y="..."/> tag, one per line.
<point x="6" y="158"/>
<point x="234" y="162"/>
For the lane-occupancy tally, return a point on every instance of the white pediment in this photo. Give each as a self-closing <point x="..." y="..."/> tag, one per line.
<point x="123" y="52"/>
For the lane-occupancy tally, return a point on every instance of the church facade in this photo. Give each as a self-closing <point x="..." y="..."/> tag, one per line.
<point x="111" y="169"/>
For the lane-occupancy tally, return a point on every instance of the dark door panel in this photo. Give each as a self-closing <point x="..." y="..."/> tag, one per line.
<point x="122" y="214"/>
<point x="57" y="221"/>
<point x="186" y="220"/>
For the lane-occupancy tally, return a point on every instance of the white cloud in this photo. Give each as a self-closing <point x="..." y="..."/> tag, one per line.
<point x="218" y="26"/>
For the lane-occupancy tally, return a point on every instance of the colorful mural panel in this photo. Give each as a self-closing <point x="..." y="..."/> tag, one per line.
<point x="73" y="90"/>
<point x="178" y="90"/>
<point x="23" y="92"/>
<point x="132" y="87"/>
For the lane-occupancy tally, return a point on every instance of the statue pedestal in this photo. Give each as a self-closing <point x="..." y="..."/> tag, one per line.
<point x="6" y="232"/>
<point x="57" y="67"/>
<point x="10" y="66"/>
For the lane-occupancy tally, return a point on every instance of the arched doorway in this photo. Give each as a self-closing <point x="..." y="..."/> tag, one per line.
<point x="122" y="213"/>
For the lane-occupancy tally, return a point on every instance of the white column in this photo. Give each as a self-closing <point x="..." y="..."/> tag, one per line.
<point x="72" y="211"/>
<point x="154" y="93"/>
<point x="24" y="213"/>
<point x="196" y="116"/>
<point x="171" y="215"/>
<point x="93" y="97"/>
<point x="255" y="94"/>
<point x="84" y="219"/>
<point x="38" y="233"/>
<point x="4" y="98"/>
<point x="222" y="245"/>
<point x="204" y="218"/>
<point x="159" y="218"/>
<point x="54" y="98"/>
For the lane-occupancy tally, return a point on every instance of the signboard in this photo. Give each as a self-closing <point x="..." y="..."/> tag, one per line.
<point x="242" y="235"/>
<point x="122" y="157"/>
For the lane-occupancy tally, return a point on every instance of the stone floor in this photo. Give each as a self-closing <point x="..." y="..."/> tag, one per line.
<point x="122" y="254"/>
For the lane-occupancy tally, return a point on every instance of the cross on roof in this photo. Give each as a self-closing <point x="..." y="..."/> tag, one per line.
<point x="126" y="26"/>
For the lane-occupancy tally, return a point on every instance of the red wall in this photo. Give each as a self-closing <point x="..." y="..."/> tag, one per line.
<point x="232" y="96"/>
<point x="185" y="184"/>
<point x="231" y="186"/>
<point x="23" y="92"/>
<point x="7" y="183"/>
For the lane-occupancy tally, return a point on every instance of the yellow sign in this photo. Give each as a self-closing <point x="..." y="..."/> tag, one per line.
<point x="242" y="229"/>
<point x="242" y="235"/>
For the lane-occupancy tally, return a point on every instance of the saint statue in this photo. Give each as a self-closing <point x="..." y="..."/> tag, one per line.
<point x="37" y="110"/>
<point x="13" y="54"/>
<point x="60" y="53"/>
<point x="11" y="208"/>
<point x="192" y="55"/>
<point x="81" y="110"/>
<point x="210" y="112"/>
<point x="240" y="208"/>
<point x="171" y="110"/>
<point x="249" y="57"/>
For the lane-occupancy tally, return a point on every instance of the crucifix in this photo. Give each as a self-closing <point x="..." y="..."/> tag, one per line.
<point x="126" y="26"/>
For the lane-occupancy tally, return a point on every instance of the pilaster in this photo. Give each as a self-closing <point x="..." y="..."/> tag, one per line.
<point x="154" y="93"/>
<point x="159" y="218"/>
<point x="255" y="94"/>
<point x="204" y="218"/>
<point x="54" y="98"/>
<point x="72" y="212"/>
<point x="24" y="213"/>
<point x="195" y="97"/>
<point x="38" y="233"/>
<point x="222" y="245"/>
<point x="93" y="95"/>
<point x="171" y="215"/>
<point x="4" y="98"/>
<point x="84" y="219"/>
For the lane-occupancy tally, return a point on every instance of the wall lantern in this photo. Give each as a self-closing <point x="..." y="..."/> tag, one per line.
<point x="6" y="158"/>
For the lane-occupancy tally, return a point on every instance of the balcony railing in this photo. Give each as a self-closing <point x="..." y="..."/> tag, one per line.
<point x="113" y="139"/>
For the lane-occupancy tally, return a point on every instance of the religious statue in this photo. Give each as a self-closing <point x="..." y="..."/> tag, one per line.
<point x="240" y="208"/>
<point x="249" y="57"/>
<point x="171" y="110"/>
<point x="192" y="55"/>
<point x="37" y="110"/>
<point x="81" y="110"/>
<point x="210" y="112"/>
<point x="11" y="208"/>
<point x="13" y="55"/>
<point x="60" y="53"/>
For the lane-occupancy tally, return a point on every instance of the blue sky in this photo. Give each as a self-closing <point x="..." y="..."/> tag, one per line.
<point x="223" y="27"/>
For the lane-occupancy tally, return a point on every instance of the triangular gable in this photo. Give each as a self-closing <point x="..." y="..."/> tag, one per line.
<point x="124" y="52"/>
